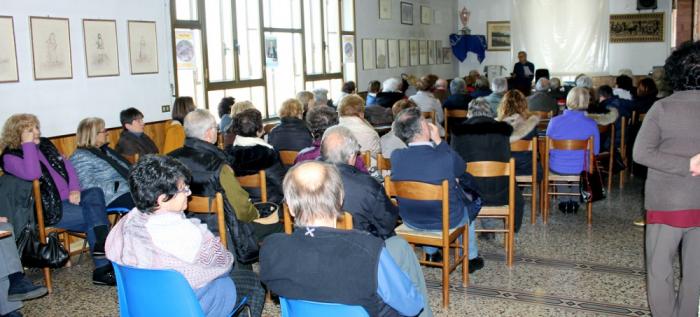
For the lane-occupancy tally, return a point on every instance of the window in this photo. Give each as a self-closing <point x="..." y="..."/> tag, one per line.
<point x="220" y="45"/>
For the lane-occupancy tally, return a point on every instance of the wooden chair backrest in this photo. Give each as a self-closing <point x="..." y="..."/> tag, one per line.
<point x="525" y="146"/>
<point x="220" y="140"/>
<point x="569" y="145"/>
<point x="255" y="181"/>
<point x="383" y="163"/>
<point x="268" y="127"/>
<point x="367" y="159"/>
<point x="453" y="113"/>
<point x="344" y="222"/>
<point x="39" y="208"/>
<point x="422" y="192"/>
<point x="430" y="115"/>
<point x="491" y="168"/>
<point x="543" y="114"/>
<point x="206" y="205"/>
<point x="288" y="157"/>
<point x="132" y="158"/>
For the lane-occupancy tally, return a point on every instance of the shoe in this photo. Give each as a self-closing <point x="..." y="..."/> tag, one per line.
<point x="641" y="222"/>
<point x="574" y="207"/>
<point x="104" y="275"/>
<point x="486" y="236"/>
<point x="563" y="207"/>
<point x="23" y="289"/>
<point x="435" y="257"/>
<point x="475" y="264"/>
<point x="15" y="313"/>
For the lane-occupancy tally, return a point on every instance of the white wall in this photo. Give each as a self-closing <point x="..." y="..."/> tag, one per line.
<point x="61" y="104"/>
<point x="640" y="57"/>
<point x="368" y="26"/>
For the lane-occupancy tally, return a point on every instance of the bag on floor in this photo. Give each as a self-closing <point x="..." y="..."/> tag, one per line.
<point x="34" y="254"/>
<point x="591" y="185"/>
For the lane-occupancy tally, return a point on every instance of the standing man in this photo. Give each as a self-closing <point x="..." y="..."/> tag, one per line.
<point x="668" y="144"/>
<point x="523" y="73"/>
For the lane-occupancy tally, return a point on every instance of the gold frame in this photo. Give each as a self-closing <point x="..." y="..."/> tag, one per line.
<point x="490" y="25"/>
<point x="647" y="21"/>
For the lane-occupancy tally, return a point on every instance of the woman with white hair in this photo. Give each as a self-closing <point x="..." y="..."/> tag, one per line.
<point x="321" y="97"/>
<point x="499" y="86"/>
<point x="391" y="93"/>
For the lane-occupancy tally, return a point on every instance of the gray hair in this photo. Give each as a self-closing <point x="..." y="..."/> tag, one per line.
<point x="391" y="85"/>
<point x="320" y="96"/>
<point x="542" y="84"/>
<point x="408" y="124"/>
<point x="458" y="86"/>
<point x="483" y="82"/>
<point x="313" y="191"/>
<point x="198" y="122"/>
<point x="555" y="83"/>
<point x="338" y="145"/>
<point x="584" y="81"/>
<point x="499" y="85"/>
<point x="480" y="107"/>
<point x="578" y="99"/>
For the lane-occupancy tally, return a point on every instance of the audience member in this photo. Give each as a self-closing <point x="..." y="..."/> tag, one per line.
<point x="133" y="140"/>
<point x="373" y="89"/>
<point x="458" y="99"/>
<point x="225" y="113"/>
<point x="390" y="141"/>
<point x="157" y="235"/>
<point x="513" y="110"/>
<point x="241" y="106"/>
<point x="428" y="159"/>
<point x="359" y="271"/>
<point x="586" y="82"/>
<point x="307" y="100"/>
<point x="624" y="87"/>
<point x="481" y="88"/>
<point x="349" y="88"/>
<point x="556" y="90"/>
<point x="391" y="93"/>
<point x="175" y="133"/>
<point x="440" y="92"/>
<point x="499" y="86"/>
<point x="624" y="107"/>
<point x="352" y="113"/>
<point x="470" y="80"/>
<point x="541" y="100"/>
<point x="292" y="133"/>
<point x="667" y="145"/>
<point x="321" y="97"/>
<point x="646" y="95"/>
<point x="424" y="98"/>
<point x="66" y="205"/>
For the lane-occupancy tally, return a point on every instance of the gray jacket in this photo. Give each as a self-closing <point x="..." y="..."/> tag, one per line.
<point x="16" y="202"/>
<point x="541" y="101"/>
<point x="95" y="172"/>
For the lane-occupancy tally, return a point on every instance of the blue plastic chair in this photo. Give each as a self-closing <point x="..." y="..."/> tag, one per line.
<point x="118" y="211"/>
<point x="304" y="308"/>
<point x="144" y="292"/>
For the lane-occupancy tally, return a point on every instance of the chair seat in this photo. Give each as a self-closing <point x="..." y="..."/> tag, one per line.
<point x="403" y="229"/>
<point x="494" y="211"/>
<point x="563" y="178"/>
<point x="523" y="179"/>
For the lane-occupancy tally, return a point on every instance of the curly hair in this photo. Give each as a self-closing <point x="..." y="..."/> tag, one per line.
<point x="155" y="175"/>
<point x="320" y="119"/>
<point x="513" y="102"/>
<point x="248" y="123"/>
<point x="291" y="108"/>
<point x="427" y="82"/>
<point x="683" y="67"/>
<point x="12" y="130"/>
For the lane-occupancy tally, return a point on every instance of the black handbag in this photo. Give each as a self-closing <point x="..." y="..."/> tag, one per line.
<point x="34" y="254"/>
<point x="245" y="244"/>
<point x="591" y="185"/>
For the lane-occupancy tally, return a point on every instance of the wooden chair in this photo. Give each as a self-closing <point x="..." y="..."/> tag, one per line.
<point x="220" y="140"/>
<point x="288" y="157"/>
<point x="551" y="179"/>
<point x="209" y="205"/>
<point x="367" y="159"/>
<point x="529" y="181"/>
<point x="625" y="122"/>
<point x="545" y="117"/>
<point x="383" y="164"/>
<point x="345" y="221"/>
<point x="255" y="181"/>
<point x="268" y="127"/>
<point x="455" y="114"/>
<point x="430" y="115"/>
<point x="608" y="155"/>
<point x="132" y="158"/>
<point x="506" y="212"/>
<point x="445" y="239"/>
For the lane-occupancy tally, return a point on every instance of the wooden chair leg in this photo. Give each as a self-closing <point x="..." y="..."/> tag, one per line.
<point x="446" y="277"/>
<point x="589" y="212"/>
<point x="465" y="256"/>
<point x="47" y="279"/>
<point x="533" y="204"/>
<point x="547" y="201"/>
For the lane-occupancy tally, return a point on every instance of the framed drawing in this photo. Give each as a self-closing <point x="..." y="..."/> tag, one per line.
<point x="381" y="53"/>
<point x="414" y="53"/>
<point x="143" y="47"/>
<point x="101" y="54"/>
<point x="393" y="46"/>
<point x="426" y="15"/>
<point x="348" y="49"/>
<point x="423" y="52"/>
<point x="644" y="27"/>
<point x="404" y="53"/>
<point x="385" y="9"/>
<point x="51" y="54"/>
<point x="407" y="13"/>
<point x="8" y="56"/>
<point x="438" y="52"/>
<point x="498" y="35"/>
<point x="446" y="55"/>
<point x="368" y="58"/>
<point x="431" y="52"/>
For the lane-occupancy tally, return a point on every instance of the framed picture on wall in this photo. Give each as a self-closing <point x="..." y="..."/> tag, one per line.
<point x="431" y="52"/>
<point x="404" y="53"/>
<point x="143" y="47"/>
<point x="414" y="53"/>
<point x="381" y="53"/>
<point x="51" y="54"/>
<point x="423" y="51"/>
<point x="368" y="58"/>
<point x="407" y="13"/>
<point x="426" y="15"/>
<point x="438" y="52"/>
<point x="498" y="35"/>
<point x="446" y="55"/>
<point x="8" y="55"/>
<point x="101" y="55"/>
<point x="385" y="9"/>
<point x="624" y="27"/>
<point x="393" y="46"/>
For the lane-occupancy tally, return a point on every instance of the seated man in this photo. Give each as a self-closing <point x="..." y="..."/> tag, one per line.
<point x="132" y="139"/>
<point x="357" y="268"/>
<point x="157" y="235"/>
<point x="541" y="100"/>
<point x="389" y="141"/>
<point x="212" y="173"/>
<point x="428" y="159"/>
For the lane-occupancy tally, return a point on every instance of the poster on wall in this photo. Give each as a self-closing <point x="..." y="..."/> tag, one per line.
<point x="101" y="54"/>
<point x="644" y="27"/>
<point x="414" y="53"/>
<point x="404" y="53"/>
<point x="431" y="52"/>
<point x="184" y="49"/>
<point x="51" y="52"/>
<point x="423" y="51"/>
<point x="381" y="53"/>
<point x="348" y="49"/>
<point x="393" y="53"/>
<point x="368" y="58"/>
<point x="8" y="55"/>
<point x="143" y="47"/>
<point x="271" y="51"/>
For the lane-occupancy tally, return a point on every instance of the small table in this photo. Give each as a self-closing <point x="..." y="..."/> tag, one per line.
<point x="4" y="234"/>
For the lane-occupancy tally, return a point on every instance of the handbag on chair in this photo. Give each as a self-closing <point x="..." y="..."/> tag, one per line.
<point x="591" y="184"/>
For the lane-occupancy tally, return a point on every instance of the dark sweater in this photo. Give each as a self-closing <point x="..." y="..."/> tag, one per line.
<point x="131" y="143"/>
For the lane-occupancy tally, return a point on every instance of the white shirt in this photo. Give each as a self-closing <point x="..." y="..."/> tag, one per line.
<point x="427" y="102"/>
<point x="174" y="233"/>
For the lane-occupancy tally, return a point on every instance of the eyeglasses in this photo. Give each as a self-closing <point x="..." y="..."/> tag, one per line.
<point x="185" y="190"/>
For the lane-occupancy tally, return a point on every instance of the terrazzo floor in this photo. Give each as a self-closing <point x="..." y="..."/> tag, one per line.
<point x="564" y="268"/>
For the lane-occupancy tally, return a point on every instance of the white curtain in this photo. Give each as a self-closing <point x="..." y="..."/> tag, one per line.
<point x="564" y="36"/>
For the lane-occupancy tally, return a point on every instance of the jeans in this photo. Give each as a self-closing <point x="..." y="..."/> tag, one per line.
<point x="473" y="248"/>
<point x="85" y="217"/>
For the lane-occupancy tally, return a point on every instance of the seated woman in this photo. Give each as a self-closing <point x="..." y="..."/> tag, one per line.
<point x="352" y="116"/>
<point x="427" y="102"/>
<point x="238" y="107"/>
<point x="27" y="156"/>
<point x="292" y="133"/>
<point x="98" y="166"/>
<point x="225" y="113"/>
<point x="513" y="110"/>
<point x="250" y="154"/>
<point x="175" y="133"/>
<point x="157" y="235"/>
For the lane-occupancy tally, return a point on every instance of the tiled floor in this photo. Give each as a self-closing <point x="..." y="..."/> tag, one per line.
<point x="563" y="268"/>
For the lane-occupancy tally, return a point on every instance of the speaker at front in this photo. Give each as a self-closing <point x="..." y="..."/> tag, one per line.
<point x="646" y="5"/>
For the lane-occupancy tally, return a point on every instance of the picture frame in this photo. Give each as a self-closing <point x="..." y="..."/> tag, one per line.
<point x="498" y="35"/>
<point x="348" y="49"/>
<point x="393" y="53"/>
<point x="385" y="9"/>
<point x="101" y="52"/>
<point x="407" y="13"/>
<point x="404" y="53"/>
<point x="51" y="50"/>
<point x="642" y="27"/>
<point x="438" y="52"/>
<point x="143" y="47"/>
<point x="431" y="52"/>
<point x="381" y="53"/>
<point x="368" y="58"/>
<point x="446" y="55"/>
<point x="423" y="52"/>
<point x="9" y="72"/>
<point x="426" y="15"/>
<point x="414" y="52"/>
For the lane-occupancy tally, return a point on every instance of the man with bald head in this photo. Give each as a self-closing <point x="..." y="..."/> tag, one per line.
<point x="320" y="263"/>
